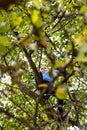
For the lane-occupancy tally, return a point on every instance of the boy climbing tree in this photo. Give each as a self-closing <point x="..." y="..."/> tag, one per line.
<point x="46" y="80"/>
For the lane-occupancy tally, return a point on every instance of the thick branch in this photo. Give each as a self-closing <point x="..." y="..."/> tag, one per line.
<point x="5" y="3"/>
<point x="33" y="66"/>
<point x="30" y="93"/>
<point x="25" y="90"/>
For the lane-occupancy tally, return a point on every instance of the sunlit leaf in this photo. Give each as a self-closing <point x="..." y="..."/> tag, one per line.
<point x="36" y="18"/>
<point x="59" y="63"/>
<point x="85" y="32"/>
<point x="4" y="40"/>
<point x="16" y="21"/>
<point x="83" y="9"/>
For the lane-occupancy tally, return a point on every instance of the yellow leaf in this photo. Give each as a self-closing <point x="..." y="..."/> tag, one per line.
<point x="83" y="9"/>
<point x="17" y="21"/>
<point x="61" y="93"/>
<point x="58" y="64"/>
<point x="4" y="41"/>
<point x="36" y="18"/>
<point x="85" y="32"/>
<point x="43" y="85"/>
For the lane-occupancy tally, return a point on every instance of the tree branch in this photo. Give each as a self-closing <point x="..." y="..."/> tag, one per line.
<point x="30" y="93"/>
<point x="33" y="66"/>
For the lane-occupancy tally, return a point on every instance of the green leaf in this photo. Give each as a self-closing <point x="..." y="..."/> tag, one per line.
<point x="36" y="3"/>
<point x="3" y="49"/>
<point x="81" y="55"/>
<point x="4" y="24"/>
<point x="4" y="43"/>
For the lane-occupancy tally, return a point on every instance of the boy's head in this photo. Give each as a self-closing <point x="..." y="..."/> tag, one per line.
<point x="43" y="69"/>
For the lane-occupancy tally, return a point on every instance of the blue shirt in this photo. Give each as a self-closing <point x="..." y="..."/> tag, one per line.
<point x="47" y="77"/>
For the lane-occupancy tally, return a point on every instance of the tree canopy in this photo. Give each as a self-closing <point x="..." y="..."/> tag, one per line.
<point x="35" y="33"/>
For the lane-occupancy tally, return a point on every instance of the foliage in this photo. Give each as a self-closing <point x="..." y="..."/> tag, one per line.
<point x="37" y="33"/>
